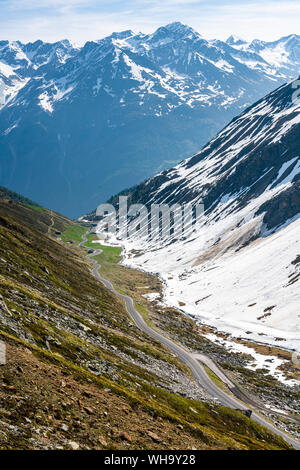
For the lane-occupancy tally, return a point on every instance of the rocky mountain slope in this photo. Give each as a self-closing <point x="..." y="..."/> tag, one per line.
<point x="77" y="369"/>
<point x="240" y="271"/>
<point x="79" y="124"/>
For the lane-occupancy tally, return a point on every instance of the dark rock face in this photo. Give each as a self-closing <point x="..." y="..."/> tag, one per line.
<point x="282" y="208"/>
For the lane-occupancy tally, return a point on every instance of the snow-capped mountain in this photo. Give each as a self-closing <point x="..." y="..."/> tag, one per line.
<point x="77" y="124"/>
<point x="240" y="271"/>
<point x="18" y="63"/>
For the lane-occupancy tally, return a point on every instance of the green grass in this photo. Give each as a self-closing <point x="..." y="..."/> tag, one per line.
<point x="110" y="254"/>
<point x="89" y="244"/>
<point x="73" y="232"/>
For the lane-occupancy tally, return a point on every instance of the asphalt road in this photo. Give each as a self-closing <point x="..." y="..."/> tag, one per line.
<point x="188" y="358"/>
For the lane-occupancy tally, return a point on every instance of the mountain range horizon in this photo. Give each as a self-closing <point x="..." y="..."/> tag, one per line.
<point x="78" y="125"/>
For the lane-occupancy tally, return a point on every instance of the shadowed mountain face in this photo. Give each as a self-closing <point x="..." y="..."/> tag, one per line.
<point x="80" y="124"/>
<point x="240" y="272"/>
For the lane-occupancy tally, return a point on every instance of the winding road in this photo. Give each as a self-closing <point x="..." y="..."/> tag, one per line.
<point x="190" y="359"/>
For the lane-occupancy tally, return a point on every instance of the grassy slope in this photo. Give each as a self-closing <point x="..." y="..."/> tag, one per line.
<point x="11" y="196"/>
<point x="185" y="331"/>
<point x="73" y="354"/>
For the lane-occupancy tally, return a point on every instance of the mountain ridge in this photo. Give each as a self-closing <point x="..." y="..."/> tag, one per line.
<point x="121" y="109"/>
<point x="247" y="246"/>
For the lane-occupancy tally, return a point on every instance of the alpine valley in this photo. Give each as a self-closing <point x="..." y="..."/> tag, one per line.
<point x="240" y="271"/>
<point x="78" y="124"/>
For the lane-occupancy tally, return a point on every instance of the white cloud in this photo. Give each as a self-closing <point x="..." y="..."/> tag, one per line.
<point x="34" y="4"/>
<point x="82" y="20"/>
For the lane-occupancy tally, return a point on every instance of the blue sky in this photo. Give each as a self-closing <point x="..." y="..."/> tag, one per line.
<point x="82" y="20"/>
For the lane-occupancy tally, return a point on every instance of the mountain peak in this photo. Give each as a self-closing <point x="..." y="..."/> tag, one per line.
<point x="122" y="34"/>
<point x="177" y="26"/>
<point x="257" y="45"/>
<point x="64" y="42"/>
<point x="234" y="40"/>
